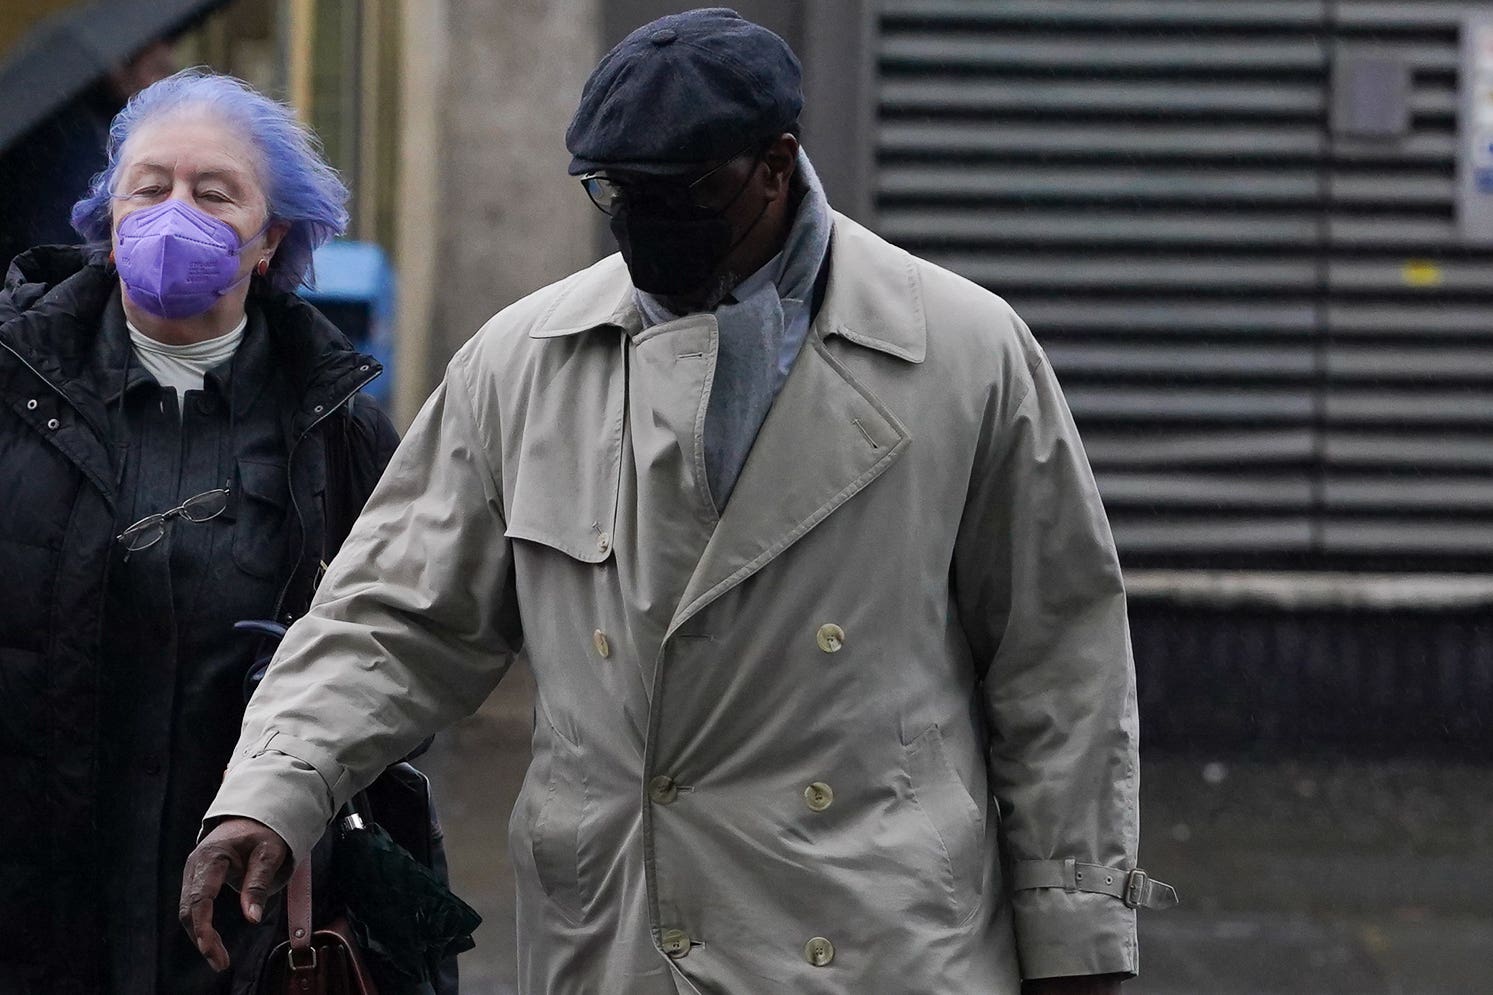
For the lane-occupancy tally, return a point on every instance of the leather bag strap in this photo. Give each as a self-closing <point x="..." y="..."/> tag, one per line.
<point x="316" y="961"/>
<point x="298" y="911"/>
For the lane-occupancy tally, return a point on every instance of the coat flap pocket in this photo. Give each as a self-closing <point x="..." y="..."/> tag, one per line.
<point x="261" y="515"/>
<point x="264" y="480"/>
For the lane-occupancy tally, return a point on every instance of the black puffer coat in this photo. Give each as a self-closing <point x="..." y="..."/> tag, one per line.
<point x="61" y="505"/>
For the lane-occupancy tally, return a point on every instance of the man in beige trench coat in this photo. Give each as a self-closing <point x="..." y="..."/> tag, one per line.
<point x="834" y="682"/>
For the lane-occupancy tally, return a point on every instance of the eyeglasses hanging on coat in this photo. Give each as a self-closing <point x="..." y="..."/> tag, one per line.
<point x="151" y="529"/>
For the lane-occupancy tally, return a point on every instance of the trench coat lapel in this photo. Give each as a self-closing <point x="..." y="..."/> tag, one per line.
<point x="827" y="435"/>
<point x="825" y="438"/>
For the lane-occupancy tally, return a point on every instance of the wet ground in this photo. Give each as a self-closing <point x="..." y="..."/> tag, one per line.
<point x="1324" y="877"/>
<point x="1329" y="876"/>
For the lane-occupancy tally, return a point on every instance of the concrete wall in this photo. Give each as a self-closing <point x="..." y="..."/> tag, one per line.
<point x="488" y="212"/>
<point x="832" y="39"/>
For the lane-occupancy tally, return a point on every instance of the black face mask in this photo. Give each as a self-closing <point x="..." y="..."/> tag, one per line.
<point x="670" y="255"/>
<point x="673" y="253"/>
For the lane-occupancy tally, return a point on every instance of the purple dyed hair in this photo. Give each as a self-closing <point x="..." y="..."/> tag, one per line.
<point x="301" y="189"/>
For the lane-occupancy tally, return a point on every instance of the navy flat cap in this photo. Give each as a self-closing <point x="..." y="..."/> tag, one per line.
<point x="686" y="89"/>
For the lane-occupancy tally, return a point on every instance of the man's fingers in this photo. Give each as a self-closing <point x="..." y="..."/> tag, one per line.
<point x="206" y="870"/>
<point x="264" y="862"/>
<point x="236" y="848"/>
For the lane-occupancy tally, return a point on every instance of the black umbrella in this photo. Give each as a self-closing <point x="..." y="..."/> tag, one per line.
<point x="403" y="915"/>
<point x="61" y="56"/>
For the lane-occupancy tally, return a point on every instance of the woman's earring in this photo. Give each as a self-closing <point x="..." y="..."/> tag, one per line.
<point x="263" y="267"/>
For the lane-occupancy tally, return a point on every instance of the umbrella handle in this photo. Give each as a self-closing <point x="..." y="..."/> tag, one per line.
<point x="354" y="814"/>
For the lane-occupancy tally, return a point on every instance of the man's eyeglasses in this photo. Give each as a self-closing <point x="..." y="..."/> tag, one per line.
<point x="608" y="193"/>
<point x="198" y="508"/>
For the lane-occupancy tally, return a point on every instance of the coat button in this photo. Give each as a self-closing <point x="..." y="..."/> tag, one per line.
<point x="52" y="423"/>
<point x="604" y="541"/>
<point x="819" y="796"/>
<point x="675" y="943"/>
<point x="830" y="637"/>
<point x="663" y="790"/>
<point x="819" y="952"/>
<point x="31" y="404"/>
<point x="599" y="640"/>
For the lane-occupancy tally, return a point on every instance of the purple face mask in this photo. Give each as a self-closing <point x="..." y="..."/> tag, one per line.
<point x="175" y="261"/>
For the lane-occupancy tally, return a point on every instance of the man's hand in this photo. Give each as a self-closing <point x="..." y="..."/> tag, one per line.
<point x="248" y="855"/>
<point x="1093" y="984"/>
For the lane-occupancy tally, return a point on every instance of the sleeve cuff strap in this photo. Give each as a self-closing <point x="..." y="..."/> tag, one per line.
<point x="1135" y="888"/>
<point x="333" y="774"/>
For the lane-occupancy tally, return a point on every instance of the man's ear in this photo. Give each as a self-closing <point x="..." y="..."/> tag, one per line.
<point x="781" y="159"/>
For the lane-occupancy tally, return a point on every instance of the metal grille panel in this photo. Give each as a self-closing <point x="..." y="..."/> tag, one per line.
<point x="1273" y="341"/>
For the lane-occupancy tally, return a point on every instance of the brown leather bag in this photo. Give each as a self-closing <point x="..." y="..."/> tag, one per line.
<point x="314" y="961"/>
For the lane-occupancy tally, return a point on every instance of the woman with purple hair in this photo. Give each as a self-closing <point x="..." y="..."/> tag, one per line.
<point x="181" y="436"/>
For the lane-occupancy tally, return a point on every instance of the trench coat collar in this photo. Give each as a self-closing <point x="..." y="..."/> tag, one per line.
<point x="824" y="417"/>
<point x="874" y="298"/>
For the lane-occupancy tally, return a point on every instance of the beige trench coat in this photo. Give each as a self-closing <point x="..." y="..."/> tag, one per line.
<point x="840" y="738"/>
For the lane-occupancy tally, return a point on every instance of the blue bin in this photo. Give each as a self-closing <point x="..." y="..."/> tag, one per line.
<point x="355" y="290"/>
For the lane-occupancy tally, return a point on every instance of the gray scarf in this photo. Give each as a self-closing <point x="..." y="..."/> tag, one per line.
<point x="762" y="324"/>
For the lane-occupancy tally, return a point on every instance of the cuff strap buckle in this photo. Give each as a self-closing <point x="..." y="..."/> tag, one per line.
<point x="1136" y="888"/>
